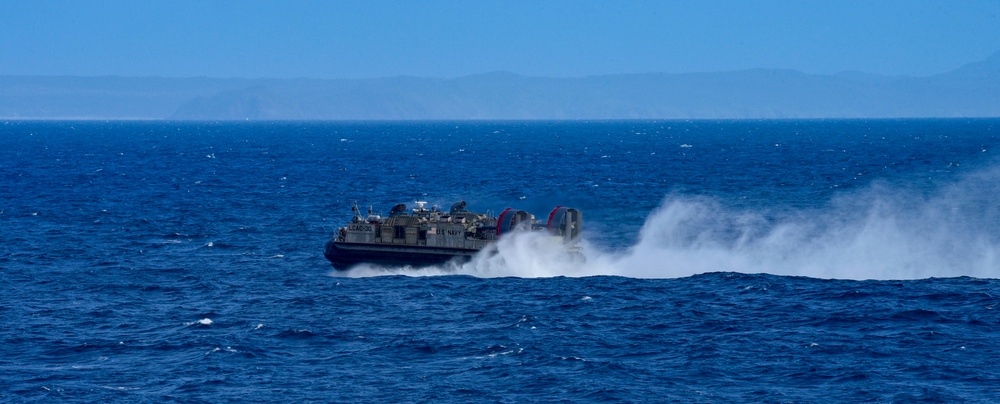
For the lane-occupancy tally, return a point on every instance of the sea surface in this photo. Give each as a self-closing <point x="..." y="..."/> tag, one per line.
<point x="727" y="261"/>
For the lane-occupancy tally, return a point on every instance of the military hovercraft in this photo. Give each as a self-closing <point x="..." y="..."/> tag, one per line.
<point x="423" y="237"/>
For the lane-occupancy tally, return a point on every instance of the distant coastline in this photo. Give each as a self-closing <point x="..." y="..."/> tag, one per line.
<point x="970" y="91"/>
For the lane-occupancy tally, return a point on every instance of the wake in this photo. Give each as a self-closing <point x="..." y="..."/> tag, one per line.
<point x="881" y="232"/>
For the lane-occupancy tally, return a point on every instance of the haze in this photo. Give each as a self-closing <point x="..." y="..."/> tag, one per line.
<point x="442" y="39"/>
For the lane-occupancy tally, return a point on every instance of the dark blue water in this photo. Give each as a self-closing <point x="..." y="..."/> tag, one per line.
<point x="727" y="261"/>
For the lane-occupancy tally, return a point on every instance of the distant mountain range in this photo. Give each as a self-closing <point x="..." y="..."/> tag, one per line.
<point x="970" y="91"/>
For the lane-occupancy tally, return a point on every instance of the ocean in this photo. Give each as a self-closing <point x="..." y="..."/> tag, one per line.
<point x="727" y="261"/>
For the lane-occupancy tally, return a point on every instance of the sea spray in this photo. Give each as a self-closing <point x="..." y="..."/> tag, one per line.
<point x="881" y="232"/>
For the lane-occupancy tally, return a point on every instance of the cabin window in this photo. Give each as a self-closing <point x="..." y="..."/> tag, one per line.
<point x="400" y="231"/>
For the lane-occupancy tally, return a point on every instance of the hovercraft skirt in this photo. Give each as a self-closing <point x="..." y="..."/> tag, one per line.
<point x="344" y="255"/>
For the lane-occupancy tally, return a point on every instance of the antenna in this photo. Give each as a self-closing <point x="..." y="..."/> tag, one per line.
<point x="356" y="211"/>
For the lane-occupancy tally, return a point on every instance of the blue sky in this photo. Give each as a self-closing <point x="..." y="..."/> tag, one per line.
<point x="363" y="39"/>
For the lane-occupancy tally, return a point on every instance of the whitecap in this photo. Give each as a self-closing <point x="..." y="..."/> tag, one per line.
<point x="118" y="388"/>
